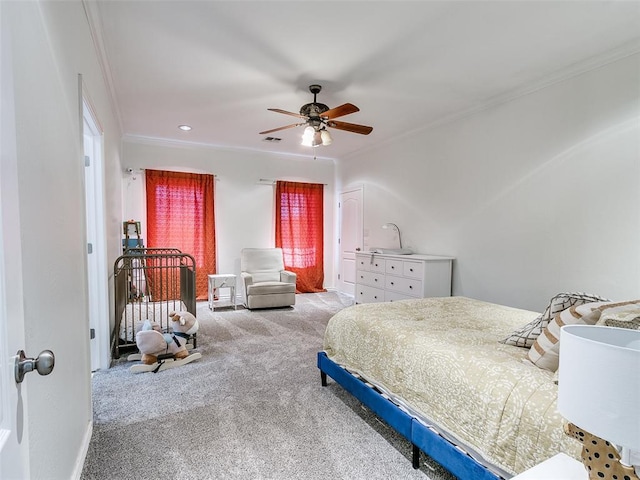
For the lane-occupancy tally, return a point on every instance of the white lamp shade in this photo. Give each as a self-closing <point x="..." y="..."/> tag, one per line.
<point x="326" y="137"/>
<point x="599" y="382"/>
<point x="307" y="136"/>
<point x="317" y="139"/>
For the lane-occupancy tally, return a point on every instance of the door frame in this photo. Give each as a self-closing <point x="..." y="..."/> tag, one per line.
<point x="97" y="271"/>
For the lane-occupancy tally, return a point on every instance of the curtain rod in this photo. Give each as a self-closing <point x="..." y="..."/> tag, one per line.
<point x="142" y="169"/>
<point x="270" y="181"/>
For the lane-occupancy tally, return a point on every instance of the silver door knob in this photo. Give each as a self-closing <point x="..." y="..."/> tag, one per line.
<point x="43" y="364"/>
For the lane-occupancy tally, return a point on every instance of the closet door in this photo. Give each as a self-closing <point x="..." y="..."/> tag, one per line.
<point x="350" y="240"/>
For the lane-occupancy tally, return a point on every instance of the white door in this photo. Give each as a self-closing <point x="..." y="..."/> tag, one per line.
<point x="14" y="440"/>
<point x="350" y="209"/>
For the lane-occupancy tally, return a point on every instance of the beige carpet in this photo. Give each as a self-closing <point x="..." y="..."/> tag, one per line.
<point x="251" y="408"/>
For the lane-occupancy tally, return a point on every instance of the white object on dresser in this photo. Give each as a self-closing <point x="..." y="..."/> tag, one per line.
<point x="388" y="278"/>
<point x="558" y="467"/>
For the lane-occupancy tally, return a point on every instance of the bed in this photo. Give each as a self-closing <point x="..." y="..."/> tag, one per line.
<point x="435" y="371"/>
<point x="149" y="284"/>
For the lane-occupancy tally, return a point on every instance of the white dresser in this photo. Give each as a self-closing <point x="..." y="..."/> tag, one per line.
<point x="387" y="278"/>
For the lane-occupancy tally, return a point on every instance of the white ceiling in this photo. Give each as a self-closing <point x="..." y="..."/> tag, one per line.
<point x="218" y="65"/>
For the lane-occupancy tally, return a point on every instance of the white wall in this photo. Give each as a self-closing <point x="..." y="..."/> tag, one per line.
<point x="244" y="208"/>
<point x="534" y="196"/>
<point x="51" y="45"/>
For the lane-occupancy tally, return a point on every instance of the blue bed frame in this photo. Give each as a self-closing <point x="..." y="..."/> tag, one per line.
<point x="421" y="437"/>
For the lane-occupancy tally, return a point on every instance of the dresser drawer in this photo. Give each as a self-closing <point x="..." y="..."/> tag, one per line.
<point x="405" y="286"/>
<point x="370" y="263"/>
<point x="413" y="269"/>
<point x="366" y="294"/>
<point x="394" y="267"/>
<point x="372" y="279"/>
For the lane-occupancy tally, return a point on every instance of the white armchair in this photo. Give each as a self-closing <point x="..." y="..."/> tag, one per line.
<point x="266" y="283"/>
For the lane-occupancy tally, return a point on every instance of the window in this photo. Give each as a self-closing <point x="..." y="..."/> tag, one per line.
<point x="299" y="232"/>
<point x="180" y="215"/>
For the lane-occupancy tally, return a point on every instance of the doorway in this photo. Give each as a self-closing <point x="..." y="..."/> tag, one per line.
<point x="97" y="272"/>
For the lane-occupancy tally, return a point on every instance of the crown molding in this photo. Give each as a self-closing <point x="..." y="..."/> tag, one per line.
<point x="559" y="76"/>
<point x="165" y="142"/>
<point x="94" y="21"/>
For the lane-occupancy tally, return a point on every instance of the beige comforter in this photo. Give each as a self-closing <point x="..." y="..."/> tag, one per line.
<point x="443" y="358"/>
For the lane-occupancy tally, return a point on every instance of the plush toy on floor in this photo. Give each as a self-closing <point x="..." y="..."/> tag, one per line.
<point x="160" y="351"/>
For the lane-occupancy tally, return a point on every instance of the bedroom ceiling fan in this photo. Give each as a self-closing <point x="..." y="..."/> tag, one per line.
<point x="317" y="117"/>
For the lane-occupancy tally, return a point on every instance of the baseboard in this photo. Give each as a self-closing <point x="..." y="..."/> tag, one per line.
<point x="82" y="454"/>
<point x="335" y="290"/>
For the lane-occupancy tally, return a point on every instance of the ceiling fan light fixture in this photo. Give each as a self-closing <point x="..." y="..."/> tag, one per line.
<point x="317" y="139"/>
<point x="307" y="137"/>
<point x="317" y="116"/>
<point x="326" y="137"/>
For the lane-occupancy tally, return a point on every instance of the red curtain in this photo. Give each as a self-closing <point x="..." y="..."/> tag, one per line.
<point x="180" y="215"/>
<point x="299" y="232"/>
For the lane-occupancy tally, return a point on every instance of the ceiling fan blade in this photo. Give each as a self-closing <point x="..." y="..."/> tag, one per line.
<point x="277" y="110"/>
<point x="340" y="111"/>
<point x="350" y="127"/>
<point x="281" y="128"/>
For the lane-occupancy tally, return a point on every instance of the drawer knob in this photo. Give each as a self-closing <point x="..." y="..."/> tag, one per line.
<point x="410" y="287"/>
<point x="375" y="296"/>
<point x="411" y="269"/>
<point x="375" y="279"/>
<point x="393" y="267"/>
<point x="392" y="283"/>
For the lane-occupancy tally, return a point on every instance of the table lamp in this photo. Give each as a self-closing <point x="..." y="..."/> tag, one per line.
<point x="599" y="393"/>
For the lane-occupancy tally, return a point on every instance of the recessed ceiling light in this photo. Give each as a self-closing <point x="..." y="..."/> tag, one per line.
<point x="186" y="128"/>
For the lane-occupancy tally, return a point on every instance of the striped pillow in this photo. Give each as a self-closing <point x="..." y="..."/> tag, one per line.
<point x="545" y="351"/>
<point x="526" y="335"/>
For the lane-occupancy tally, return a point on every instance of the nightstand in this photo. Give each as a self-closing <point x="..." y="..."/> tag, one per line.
<point x="558" y="467"/>
<point x="218" y="281"/>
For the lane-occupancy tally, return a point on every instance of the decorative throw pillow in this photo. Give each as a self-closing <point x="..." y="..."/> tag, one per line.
<point x="621" y="316"/>
<point x="526" y="335"/>
<point x="544" y="352"/>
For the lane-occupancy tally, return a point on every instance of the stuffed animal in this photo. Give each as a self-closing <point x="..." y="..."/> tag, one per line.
<point x="153" y="343"/>
<point x="184" y="325"/>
